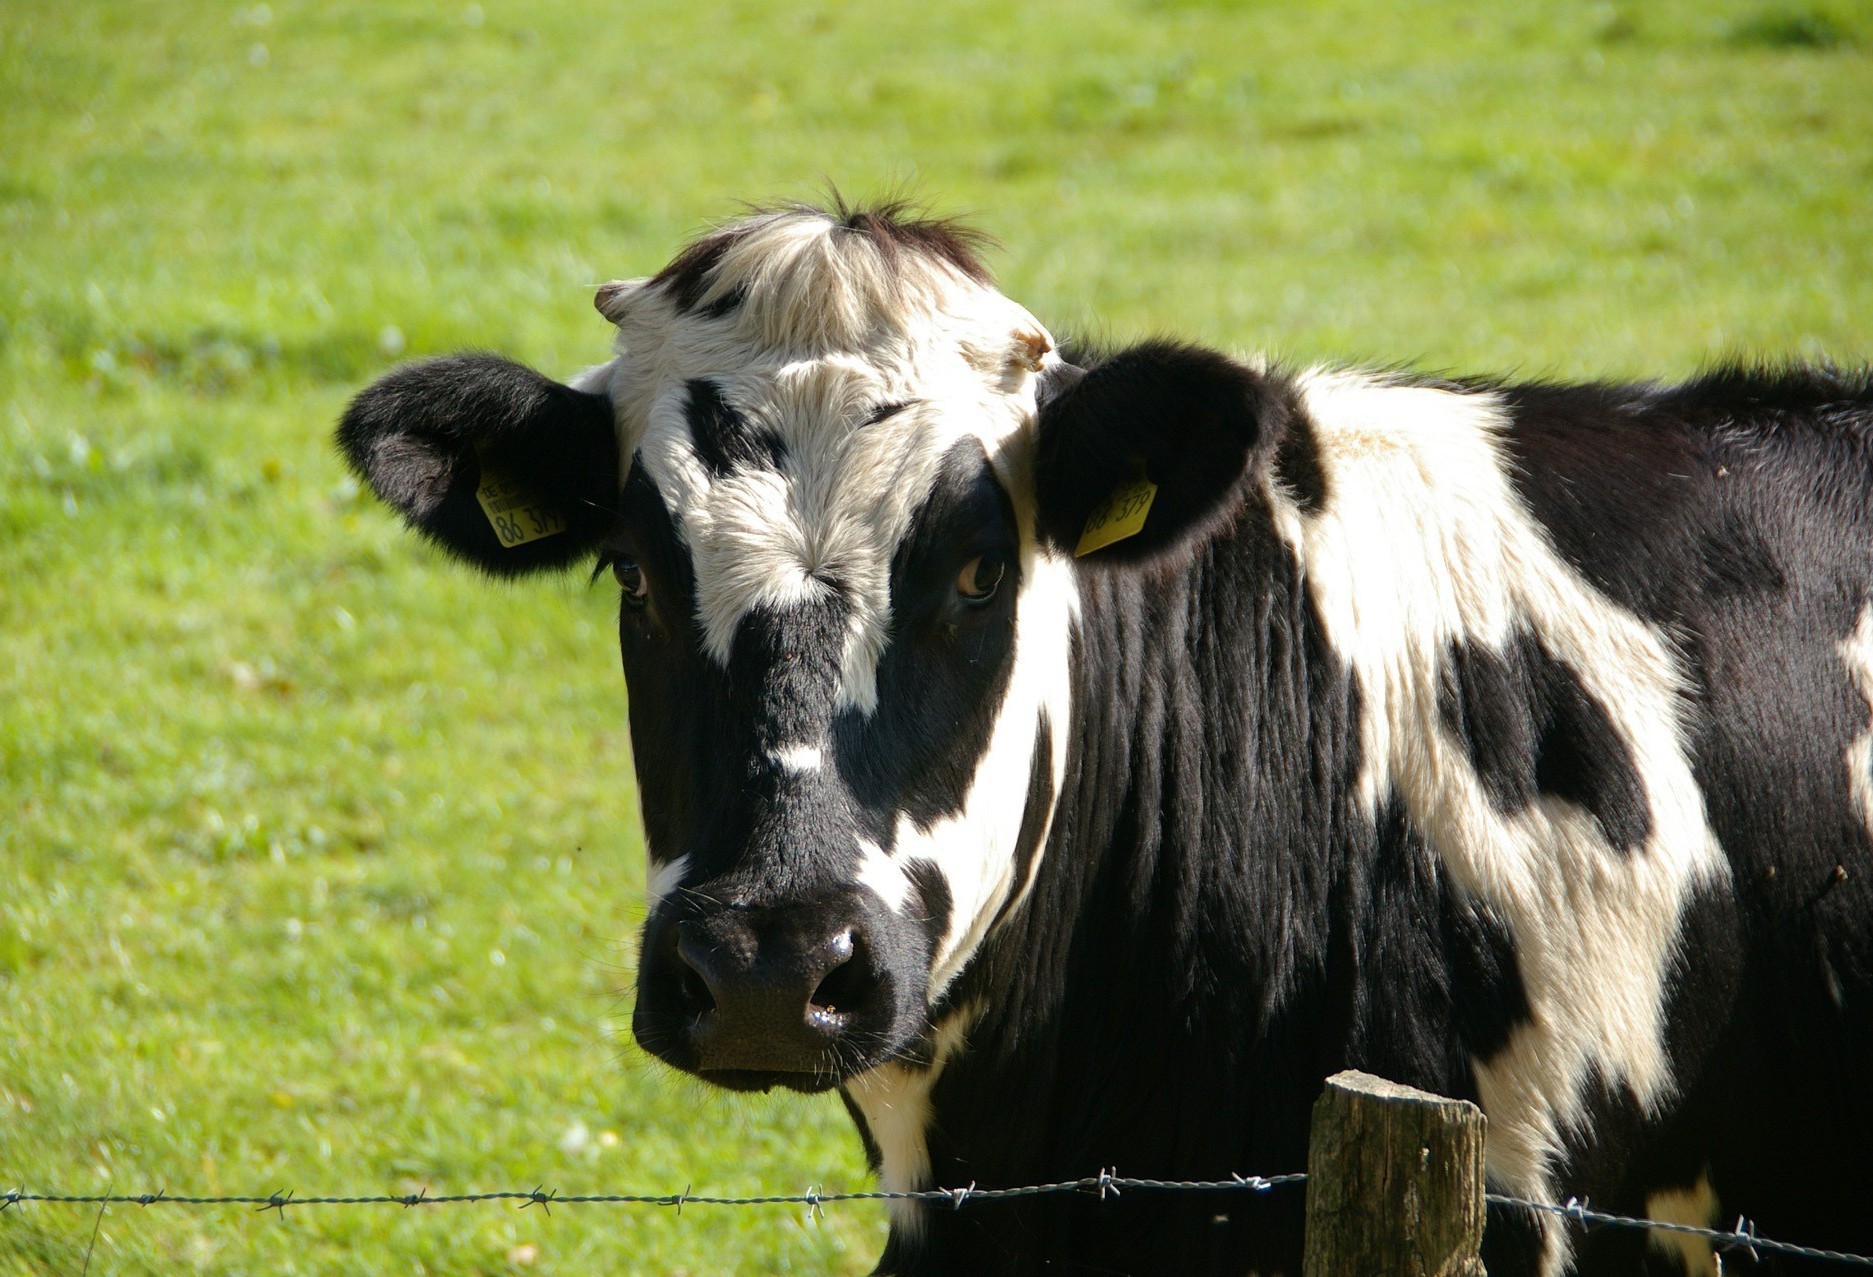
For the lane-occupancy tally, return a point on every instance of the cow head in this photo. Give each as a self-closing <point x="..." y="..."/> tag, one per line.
<point x="839" y="479"/>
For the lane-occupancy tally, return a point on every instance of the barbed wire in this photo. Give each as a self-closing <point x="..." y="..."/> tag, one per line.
<point x="1742" y="1237"/>
<point x="1107" y="1183"/>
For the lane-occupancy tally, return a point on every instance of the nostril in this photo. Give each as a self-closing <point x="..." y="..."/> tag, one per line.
<point x="694" y="996"/>
<point x="694" y="992"/>
<point x="841" y="988"/>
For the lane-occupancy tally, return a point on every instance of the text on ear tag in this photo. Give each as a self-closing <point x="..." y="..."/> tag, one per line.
<point x="518" y="515"/>
<point x="1121" y="515"/>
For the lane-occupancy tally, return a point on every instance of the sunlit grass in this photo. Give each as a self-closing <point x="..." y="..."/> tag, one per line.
<point x="318" y="856"/>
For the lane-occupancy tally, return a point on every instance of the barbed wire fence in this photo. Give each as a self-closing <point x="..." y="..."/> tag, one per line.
<point x="1742" y="1238"/>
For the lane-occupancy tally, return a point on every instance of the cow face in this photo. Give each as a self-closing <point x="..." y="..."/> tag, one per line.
<point x="837" y="477"/>
<point x="846" y="649"/>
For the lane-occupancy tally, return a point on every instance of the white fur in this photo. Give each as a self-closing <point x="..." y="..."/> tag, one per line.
<point x="799" y="759"/>
<point x="1856" y="651"/>
<point x="665" y="877"/>
<point x="895" y="1100"/>
<point x="883" y="874"/>
<point x="1423" y="541"/>
<point x="1696" y="1206"/>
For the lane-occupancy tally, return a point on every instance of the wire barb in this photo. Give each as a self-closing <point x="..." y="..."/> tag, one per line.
<point x="1746" y="1234"/>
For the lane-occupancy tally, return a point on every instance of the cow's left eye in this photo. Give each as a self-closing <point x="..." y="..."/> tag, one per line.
<point x="980" y="577"/>
<point x="631" y="579"/>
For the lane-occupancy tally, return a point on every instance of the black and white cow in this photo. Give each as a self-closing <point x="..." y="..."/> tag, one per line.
<point x="1512" y="741"/>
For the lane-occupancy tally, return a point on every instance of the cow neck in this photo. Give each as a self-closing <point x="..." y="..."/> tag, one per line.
<point x="1184" y="896"/>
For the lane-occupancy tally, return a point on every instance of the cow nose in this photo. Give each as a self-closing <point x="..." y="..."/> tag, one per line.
<point x="770" y="994"/>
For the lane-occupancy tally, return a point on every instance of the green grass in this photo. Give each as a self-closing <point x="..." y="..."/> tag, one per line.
<point x="319" y="862"/>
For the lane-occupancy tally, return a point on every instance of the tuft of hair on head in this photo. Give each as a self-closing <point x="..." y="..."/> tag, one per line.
<point x="803" y="277"/>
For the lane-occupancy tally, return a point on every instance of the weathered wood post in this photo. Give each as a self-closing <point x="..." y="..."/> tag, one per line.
<point x="1394" y="1182"/>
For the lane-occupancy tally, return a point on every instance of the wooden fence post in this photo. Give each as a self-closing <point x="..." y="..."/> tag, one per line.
<point x="1394" y="1182"/>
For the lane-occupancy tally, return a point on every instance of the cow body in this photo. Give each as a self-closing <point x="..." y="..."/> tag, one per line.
<point x="1514" y="742"/>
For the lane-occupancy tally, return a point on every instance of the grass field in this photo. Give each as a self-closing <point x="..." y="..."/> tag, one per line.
<point x="319" y="860"/>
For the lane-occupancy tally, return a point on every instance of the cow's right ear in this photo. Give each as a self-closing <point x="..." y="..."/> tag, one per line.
<point x="502" y="467"/>
<point x="1147" y="450"/>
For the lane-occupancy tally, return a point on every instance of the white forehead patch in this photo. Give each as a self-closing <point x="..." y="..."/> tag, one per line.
<point x="826" y="518"/>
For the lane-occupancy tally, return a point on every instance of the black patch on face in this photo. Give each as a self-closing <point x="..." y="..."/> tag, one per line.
<point x="723" y="436"/>
<point x="1529" y="727"/>
<point x="784" y="671"/>
<point x="930" y="902"/>
<point x="1297" y="464"/>
<point x="687" y="277"/>
<point x="944" y="676"/>
<point x="676" y="696"/>
<point x="1487" y="998"/>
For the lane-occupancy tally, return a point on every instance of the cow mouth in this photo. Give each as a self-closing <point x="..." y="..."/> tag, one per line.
<point x="767" y="1079"/>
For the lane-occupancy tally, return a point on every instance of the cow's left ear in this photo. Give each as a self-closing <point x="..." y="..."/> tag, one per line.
<point x="1146" y="451"/>
<point x="502" y="467"/>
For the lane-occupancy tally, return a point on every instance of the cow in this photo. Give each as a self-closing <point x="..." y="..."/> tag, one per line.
<point x="1073" y="758"/>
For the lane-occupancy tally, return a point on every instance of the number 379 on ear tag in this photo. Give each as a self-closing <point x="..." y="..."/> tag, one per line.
<point x="1122" y="515"/>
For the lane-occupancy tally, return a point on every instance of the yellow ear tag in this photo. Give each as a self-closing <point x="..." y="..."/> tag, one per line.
<point x="1122" y="515"/>
<point x="518" y="515"/>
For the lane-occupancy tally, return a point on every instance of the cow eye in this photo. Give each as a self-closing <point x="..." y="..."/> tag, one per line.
<point x="631" y="579"/>
<point x="980" y="576"/>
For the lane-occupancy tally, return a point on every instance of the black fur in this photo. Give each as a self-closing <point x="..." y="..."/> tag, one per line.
<point x="1297" y="463"/>
<point x="1488" y="1001"/>
<point x="686" y="279"/>
<point x="724" y="437"/>
<point x="421" y="436"/>
<point x="1530" y="728"/>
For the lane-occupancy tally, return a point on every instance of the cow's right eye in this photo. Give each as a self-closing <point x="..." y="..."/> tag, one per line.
<point x="631" y="580"/>
<point x="980" y="577"/>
